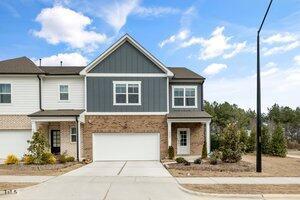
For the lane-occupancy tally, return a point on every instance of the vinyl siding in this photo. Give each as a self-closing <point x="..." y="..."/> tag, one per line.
<point x="100" y="95"/>
<point x="50" y="93"/>
<point x="126" y="59"/>
<point x="25" y="95"/>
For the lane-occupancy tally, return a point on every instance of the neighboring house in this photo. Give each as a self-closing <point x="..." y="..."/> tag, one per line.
<point x="125" y="105"/>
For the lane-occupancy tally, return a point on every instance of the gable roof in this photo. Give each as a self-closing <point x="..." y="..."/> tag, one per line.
<point x="112" y="48"/>
<point x="21" y="65"/>
<point x="184" y="73"/>
<point x="55" y="70"/>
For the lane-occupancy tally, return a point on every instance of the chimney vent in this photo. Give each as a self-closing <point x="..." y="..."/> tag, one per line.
<point x="40" y="62"/>
<point x="61" y="63"/>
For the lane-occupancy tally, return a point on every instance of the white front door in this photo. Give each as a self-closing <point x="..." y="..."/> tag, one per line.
<point x="183" y="141"/>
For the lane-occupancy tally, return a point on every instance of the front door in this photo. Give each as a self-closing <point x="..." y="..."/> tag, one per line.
<point x="55" y="142"/>
<point x="183" y="141"/>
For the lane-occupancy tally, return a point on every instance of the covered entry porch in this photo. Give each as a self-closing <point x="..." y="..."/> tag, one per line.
<point x="187" y="131"/>
<point x="62" y="129"/>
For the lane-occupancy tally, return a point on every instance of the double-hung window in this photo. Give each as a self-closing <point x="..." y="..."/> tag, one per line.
<point x="5" y="93"/>
<point x="127" y="92"/>
<point x="184" y="96"/>
<point x="63" y="92"/>
<point x="73" y="134"/>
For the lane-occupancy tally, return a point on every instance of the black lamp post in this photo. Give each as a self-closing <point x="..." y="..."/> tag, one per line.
<point x="258" y="105"/>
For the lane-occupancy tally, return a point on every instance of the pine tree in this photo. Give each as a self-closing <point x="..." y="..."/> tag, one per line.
<point x="278" y="142"/>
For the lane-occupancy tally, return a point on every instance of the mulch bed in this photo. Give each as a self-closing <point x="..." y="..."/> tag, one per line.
<point x="38" y="170"/>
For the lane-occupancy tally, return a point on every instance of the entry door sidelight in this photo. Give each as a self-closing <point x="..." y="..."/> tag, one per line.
<point x="55" y="142"/>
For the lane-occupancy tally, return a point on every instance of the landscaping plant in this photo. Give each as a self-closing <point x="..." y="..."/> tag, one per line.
<point x="231" y="145"/>
<point x="278" y="142"/>
<point x="204" y="151"/>
<point x="215" y="142"/>
<point x="215" y="156"/>
<point x="28" y="159"/>
<point x="265" y="140"/>
<point x="180" y="160"/>
<point x="251" y="143"/>
<point x="48" y="158"/>
<point x="171" y="152"/>
<point x="70" y="159"/>
<point x="198" y="161"/>
<point x="62" y="158"/>
<point x="11" y="159"/>
<point x="38" y="145"/>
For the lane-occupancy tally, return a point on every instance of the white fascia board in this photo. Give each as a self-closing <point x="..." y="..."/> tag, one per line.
<point x="119" y="43"/>
<point x="126" y="75"/>
<point x="52" y="119"/>
<point x="126" y="113"/>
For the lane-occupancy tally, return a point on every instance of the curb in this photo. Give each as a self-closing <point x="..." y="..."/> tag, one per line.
<point x="254" y="196"/>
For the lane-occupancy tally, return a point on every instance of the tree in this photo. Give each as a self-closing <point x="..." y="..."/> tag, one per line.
<point x="231" y="145"/>
<point x="265" y="140"/>
<point x="38" y="145"/>
<point x="251" y="143"/>
<point x="278" y="142"/>
<point x="204" y="151"/>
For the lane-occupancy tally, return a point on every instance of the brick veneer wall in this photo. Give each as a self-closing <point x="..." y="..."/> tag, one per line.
<point x="124" y="124"/>
<point x="196" y="140"/>
<point x="8" y="122"/>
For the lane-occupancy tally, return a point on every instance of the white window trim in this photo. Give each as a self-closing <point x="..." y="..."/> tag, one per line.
<point x="8" y="93"/>
<point x="63" y="101"/>
<point x="184" y="97"/>
<point x="71" y="134"/>
<point x="127" y="83"/>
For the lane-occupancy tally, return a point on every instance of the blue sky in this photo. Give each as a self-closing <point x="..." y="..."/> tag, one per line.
<point x="214" y="38"/>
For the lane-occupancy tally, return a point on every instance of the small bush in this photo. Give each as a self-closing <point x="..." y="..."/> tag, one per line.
<point x="215" y="157"/>
<point x="70" y="159"/>
<point x="171" y="152"/>
<point x="48" y="158"/>
<point x="38" y="145"/>
<point x="28" y="159"/>
<point x="62" y="159"/>
<point x="180" y="160"/>
<point x="187" y="163"/>
<point x="11" y="159"/>
<point x="265" y="140"/>
<point x="231" y="145"/>
<point x="278" y="142"/>
<point x="198" y="161"/>
<point x="204" y="151"/>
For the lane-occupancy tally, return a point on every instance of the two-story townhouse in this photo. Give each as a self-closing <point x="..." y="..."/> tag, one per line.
<point x="125" y="105"/>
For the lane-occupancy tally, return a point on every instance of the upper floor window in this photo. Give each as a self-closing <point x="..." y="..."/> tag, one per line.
<point x="73" y="134"/>
<point x="184" y="96"/>
<point x="5" y="93"/>
<point x="63" y="92"/>
<point x="127" y="92"/>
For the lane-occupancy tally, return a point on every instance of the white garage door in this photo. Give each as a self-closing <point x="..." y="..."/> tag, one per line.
<point x="124" y="146"/>
<point x="14" y="142"/>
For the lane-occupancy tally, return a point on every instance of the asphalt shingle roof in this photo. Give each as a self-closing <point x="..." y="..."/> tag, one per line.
<point x="21" y="65"/>
<point x="184" y="73"/>
<point x="69" y="70"/>
<point x="55" y="113"/>
<point x="188" y="114"/>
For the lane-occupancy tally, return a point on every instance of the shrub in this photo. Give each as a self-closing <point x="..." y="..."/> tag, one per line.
<point x="265" y="140"/>
<point x="171" y="152"/>
<point x="70" y="159"/>
<point x="62" y="159"/>
<point x="11" y="159"/>
<point x="187" y="163"/>
<point x="244" y="139"/>
<point x="215" y="157"/>
<point x="215" y="142"/>
<point x="48" y="158"/>
<point x="198" y="161"/>
<point x="204" y="151"/>
<point x="250" y="147"/>
<point x="231" y="145"/>
<point x="28" y="159"/>
<point x="180" y="160"/>
<point x="38" y="145"/>
<point x="278" y="142"/>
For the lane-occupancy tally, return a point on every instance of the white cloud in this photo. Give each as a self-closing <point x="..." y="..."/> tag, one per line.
<point x="192" y="41"/>
<point x="270" y="65"/>
<point x="214" y="68"/>
<point x="181" y="35"/>
<point x="280" y="87"/>
<point x="297" y="60"/>
<point x="281" y="49"/>
<point x="280" y="38"/>
<point x="69" y="59"/>
<point x="238" y="47"/>
<point x="155" y="11"/>
<point x="62" y="25"/>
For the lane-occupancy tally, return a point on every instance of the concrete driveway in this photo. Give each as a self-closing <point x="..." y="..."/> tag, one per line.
<point x="111" y="181"/>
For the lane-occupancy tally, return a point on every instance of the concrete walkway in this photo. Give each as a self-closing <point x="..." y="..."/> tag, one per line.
<point x="24" y="179"/>
<point x="239" y="180"/>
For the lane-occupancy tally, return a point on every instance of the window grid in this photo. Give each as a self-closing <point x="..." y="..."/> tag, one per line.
<point x="73" y="134"/>
<point x="5" y="93"/>
<point x="184" y="97"/>
<point x="63" y="92"/>
<point x="130" y="96"/>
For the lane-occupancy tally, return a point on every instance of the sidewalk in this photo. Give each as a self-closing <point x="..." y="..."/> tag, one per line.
<point x="239" y="180"/>
<point x="24" y="179"/>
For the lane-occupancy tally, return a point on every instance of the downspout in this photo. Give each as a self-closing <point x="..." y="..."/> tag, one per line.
<point x="40" y="92"/>
<point x="77" y="138"/>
